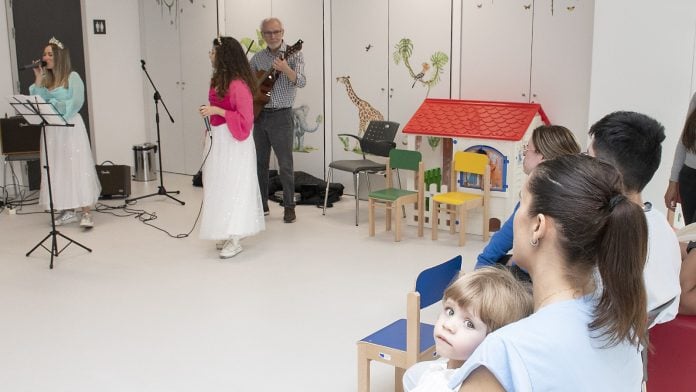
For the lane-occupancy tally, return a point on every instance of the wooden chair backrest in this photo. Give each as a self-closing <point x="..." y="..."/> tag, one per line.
<point x="471" y="162"/>
<point x="430" y="287"/>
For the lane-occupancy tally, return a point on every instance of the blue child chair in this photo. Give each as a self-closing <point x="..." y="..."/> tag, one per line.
<point x="407" y="341"/>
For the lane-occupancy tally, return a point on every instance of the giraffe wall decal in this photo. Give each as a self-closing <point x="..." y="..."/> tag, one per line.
<point x="366" y="112"/>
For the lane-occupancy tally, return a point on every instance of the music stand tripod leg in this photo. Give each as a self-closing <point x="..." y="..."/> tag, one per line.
<point x="35" y="109"/>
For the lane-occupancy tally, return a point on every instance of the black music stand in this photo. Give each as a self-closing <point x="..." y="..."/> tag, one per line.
<point x="158" y="98"/>
<point x="36" y="111"/>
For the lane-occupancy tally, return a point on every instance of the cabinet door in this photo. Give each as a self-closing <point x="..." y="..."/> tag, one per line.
<point x="243" y="18"/>
<point x="303" y="19"/>
<point x="160" y="24"/>
<point x="197" y="30"/>
<point x="360" y="51"/>
<point x="495" y="50"/>
<point x="428" y="28"/>
<point x="562" y="62"/>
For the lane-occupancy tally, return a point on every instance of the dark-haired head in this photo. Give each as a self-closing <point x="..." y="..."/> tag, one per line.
<point x="229" y="63"/>
<point x="59" y="69"/>
<point x="630" y="141"/>
<point x="594" y="225"/>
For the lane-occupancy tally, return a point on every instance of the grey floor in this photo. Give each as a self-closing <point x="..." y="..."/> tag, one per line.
<point x="147" y="312"/>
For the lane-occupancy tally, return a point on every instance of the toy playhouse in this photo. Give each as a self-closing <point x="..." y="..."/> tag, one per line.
<point x="498" y="129"/>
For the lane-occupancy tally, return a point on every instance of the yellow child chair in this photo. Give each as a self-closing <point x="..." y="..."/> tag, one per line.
<point x="393" y="199"/>
<point x="457" y="203"/>
<point x="406" y="341"/>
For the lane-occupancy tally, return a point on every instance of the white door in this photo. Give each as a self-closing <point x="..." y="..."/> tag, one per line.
<point x="303" y="19"/>
<point x="360" y="57"/>
<point x="425" y="41"/>
<point x="160" y="25"/>
<point x="197" y="30"/>
<point x="562" y="62"/>
<point x="496" y="50"/>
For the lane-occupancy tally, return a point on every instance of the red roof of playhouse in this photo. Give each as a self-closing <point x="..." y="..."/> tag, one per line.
<point x="477" y="119"/>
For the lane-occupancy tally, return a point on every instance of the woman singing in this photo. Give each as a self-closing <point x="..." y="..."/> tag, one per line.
<point x="231" y="199"/>
<point x="74" y="180"/>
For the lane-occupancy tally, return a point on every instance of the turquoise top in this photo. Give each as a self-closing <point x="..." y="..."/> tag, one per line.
<point x="68" y="100"/>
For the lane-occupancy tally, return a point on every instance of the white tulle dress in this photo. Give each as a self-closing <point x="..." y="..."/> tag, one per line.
<point x="231" y="197"/>
<point x="74" y="181"/>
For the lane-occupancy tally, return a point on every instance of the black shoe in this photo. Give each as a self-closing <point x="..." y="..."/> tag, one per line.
<point x="289" y="215"/>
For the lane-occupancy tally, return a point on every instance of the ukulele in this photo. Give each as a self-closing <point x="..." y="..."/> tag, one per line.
<point x="268" y="78"/>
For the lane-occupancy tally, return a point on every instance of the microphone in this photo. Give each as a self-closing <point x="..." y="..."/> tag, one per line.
<point x="33" y="65"/>
<point x="206" y="120"/>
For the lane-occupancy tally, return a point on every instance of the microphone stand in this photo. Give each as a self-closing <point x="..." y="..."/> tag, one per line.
<point x="161" y="191"/>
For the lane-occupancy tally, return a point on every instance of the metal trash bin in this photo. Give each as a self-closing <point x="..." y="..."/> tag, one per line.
<point x="145" y="167"/>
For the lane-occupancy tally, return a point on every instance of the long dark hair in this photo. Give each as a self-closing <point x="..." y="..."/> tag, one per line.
<point x="597" y="226"/>
<point x="688" y="137"/>
<point x="62" y="67"/>
<point x="230" y="63"/>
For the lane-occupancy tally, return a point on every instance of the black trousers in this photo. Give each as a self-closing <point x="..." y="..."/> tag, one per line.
<point x="687" y="192"/>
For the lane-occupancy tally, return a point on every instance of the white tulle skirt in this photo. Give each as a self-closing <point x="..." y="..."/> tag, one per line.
<point x="74" y="181"/>
<point x="231" y="197"/>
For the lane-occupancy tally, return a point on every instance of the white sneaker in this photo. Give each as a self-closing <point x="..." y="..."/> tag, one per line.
<point x="220" y="244"/>
<point x="230" y="249"/>
<point x="65" y="217"/>
<point x="87" y="221"/>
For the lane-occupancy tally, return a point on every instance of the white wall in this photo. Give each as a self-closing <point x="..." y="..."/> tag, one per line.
<point x="5" y="66"/>
<point x="642" y="60"/>
<point x="114" y="79"/>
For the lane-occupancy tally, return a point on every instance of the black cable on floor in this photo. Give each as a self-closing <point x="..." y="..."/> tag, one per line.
<point x="146" y="217"/>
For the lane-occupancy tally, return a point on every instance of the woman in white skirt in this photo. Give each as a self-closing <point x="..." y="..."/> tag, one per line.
<point x="74" y="181"/>
<point x="231" y="198"/>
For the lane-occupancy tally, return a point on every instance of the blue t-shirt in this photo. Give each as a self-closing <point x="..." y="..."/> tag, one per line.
<point x="554" y="350"/>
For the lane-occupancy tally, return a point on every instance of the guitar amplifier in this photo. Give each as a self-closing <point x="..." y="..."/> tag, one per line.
<point x="115" y="180"/>
<point x="19" y="137"/>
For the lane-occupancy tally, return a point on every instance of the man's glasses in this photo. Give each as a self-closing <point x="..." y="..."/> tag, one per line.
<point x="274" y="32"/>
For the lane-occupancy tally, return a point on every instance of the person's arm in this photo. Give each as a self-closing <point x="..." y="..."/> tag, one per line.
<point x="672" y="193"/>
<point x="481" y="379"/>
<point x="499" y="245"/>
<point x="241" y="120"/>
<point x="294" y="69"/>
<point x="687" y="281"/>
<point x="37" y="89"/>
<point x="76" y="88"/>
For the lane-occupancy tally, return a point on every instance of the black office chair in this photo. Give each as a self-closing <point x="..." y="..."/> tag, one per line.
<point x="377" y="140"/>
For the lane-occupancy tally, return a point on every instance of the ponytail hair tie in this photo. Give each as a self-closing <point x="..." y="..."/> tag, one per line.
<point x="615" y="200"/>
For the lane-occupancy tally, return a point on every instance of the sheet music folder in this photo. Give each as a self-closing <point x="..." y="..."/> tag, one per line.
<point x="35" y="110"/>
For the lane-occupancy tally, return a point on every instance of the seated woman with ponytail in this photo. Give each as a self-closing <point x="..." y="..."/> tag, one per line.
<point x="573" y="220"/>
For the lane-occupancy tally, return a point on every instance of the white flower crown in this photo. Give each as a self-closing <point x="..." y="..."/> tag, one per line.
<point x="55" y="42"/>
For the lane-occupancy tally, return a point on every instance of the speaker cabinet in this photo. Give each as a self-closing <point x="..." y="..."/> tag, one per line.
<point x="19" y="137"/>
<point x="115" y="180"/>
